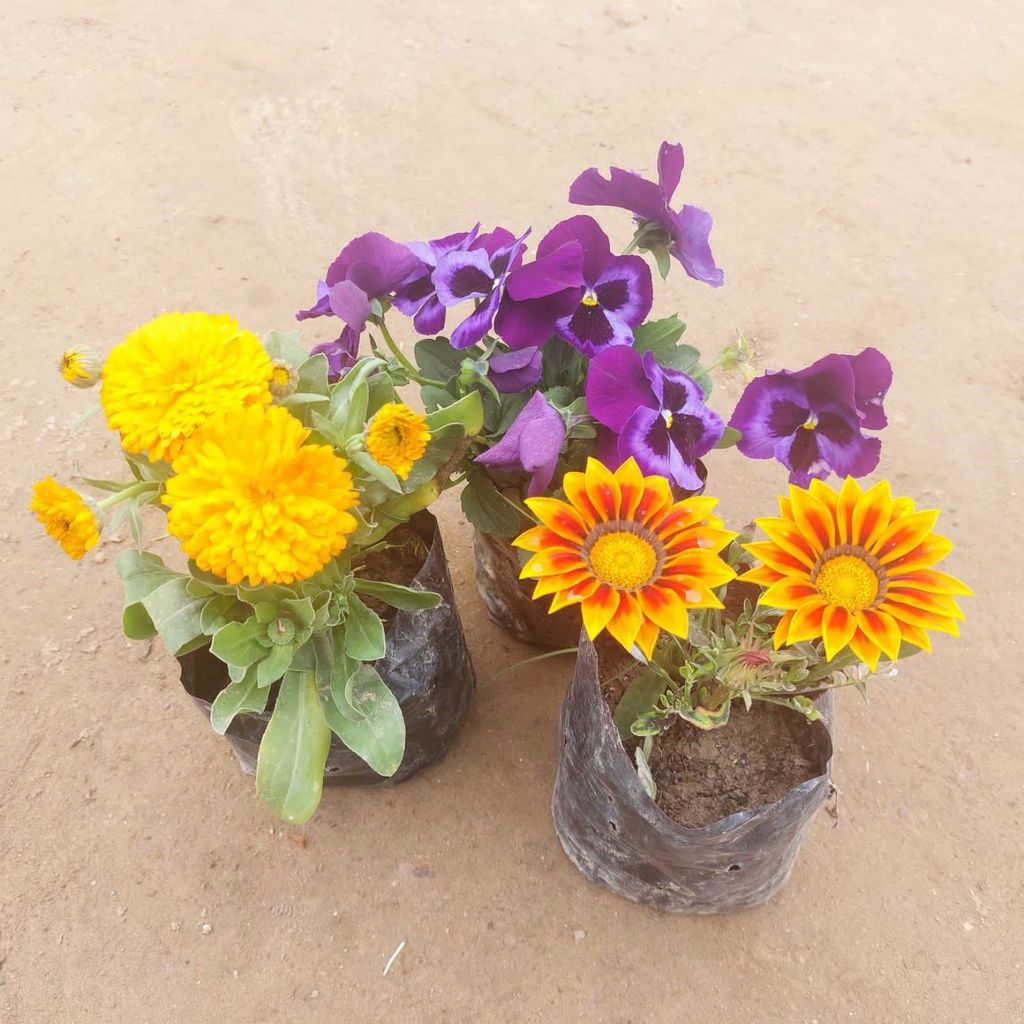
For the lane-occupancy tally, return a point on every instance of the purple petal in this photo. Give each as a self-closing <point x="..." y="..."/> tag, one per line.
<point x="549" y="273"/>
<point x="617" y="385"/>
<point x="772" y="407"/>
<point x="341" y="353"/>
<point x="532" y="444"/>
<point x="410" y="297"/>
<point x="430" y="318"/>
<point x="530" y="324"/>
<point x="828" y="381"/>
<point x="591" y="329"/>
<point x="623" y="189"/>
<point x="477" y="324"/>
<point x="625" y="288"/>
<point x="606" y="448"/>
<point x="492" y="241"/>
<point x="799" y="454"/>
<point x="645" y="436"/>
<point x="511" y="372"/>
<point x="375" y="262"/>
<point x="322" y="306"/>
<point x="351" y="304"/>
<point x="597" y="250"/>
<point x="670" y="169"/>
<point x="846" y="450"/>
<point x="690" y="245"/>
<point x="463" y="275"/>
<point x="872" y="375"/>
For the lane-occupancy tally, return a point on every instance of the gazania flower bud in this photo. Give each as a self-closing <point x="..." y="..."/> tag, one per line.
<point x="283" y="379"/>
<point x="80" y="366"/>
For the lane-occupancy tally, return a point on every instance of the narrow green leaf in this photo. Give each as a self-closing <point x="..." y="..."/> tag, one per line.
<point x="290" y="766"/>
<point x="376" y="731"/>
<point x="364" y="632"/>
<point x="398" y="596"/>
<point x="639" y="697"/>
<point x="237" y="698"/>
<point x="275" y="664"/>
<point x="219" y="611"/>
<point x="730" y="437"/>
<point x="368" y="464"/>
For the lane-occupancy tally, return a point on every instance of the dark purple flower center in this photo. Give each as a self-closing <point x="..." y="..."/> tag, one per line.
<point x="470" y="281"/>
<point x="786" y="417"/>
<point x="590" y="324"/>
<point x="612" y="295"/>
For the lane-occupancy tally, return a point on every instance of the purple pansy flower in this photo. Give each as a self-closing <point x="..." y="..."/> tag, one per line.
<point x="658" y="414"/>
<point x="478" y="274"/>
<point x="418" y="297"/>
<point x="685" y="233"/>
<point x="811" y="420"/>
<point x="511" y="372"/>
<point x="369" y="268"/>
<point x="577" y="289"/>
<point x="531" y="445"/>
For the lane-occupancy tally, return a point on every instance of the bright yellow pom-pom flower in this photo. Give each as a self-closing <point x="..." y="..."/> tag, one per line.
<point x="855" y="568"/>
<point x="396" y="437"/>
<point x="67" y="518"/>
<point x="166" y="378"/>
<point x="248" y="500"/>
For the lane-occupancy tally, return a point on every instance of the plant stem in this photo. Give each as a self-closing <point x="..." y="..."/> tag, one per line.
<point x="130" y="492"/>
<point x="402" y="358"/>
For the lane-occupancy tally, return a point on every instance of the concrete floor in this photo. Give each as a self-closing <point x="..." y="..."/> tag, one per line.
<point x="863" y="167"/>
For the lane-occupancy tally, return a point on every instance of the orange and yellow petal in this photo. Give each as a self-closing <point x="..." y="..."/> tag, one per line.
<point x="787" y="536"/>
<point x="65" y="517"/>
<point x="602" y="490"/>
<point x="599" y="608"/>
<point x="865" y="649"/>
<point x="881" y="629"/>
<point x="627" y="621"/>
<point x="657" y="496"/>
<point x="903" y="536"/>
<point x="575" y="486"/>
<point x="665" y="607"/>
<point x="807" y="621"/>
<point x="552" y="561"/>
<point x="631" y="488"/>
<point x="837" y="627"/>
<point x="541" y="538"/>
<point x="788" y="594"/>
<point x="560" y="518"/>
<point x="813" y="518"/>
<point x="648" y="637"/>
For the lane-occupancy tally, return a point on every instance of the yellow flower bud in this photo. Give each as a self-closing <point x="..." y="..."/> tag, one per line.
<point x="80" y="366"/>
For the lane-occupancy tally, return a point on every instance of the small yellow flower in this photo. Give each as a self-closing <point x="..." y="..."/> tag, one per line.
<point x="80" y="366"/>
<point x="166" y="378"/>
<point x="67" y="518"/>
<point x="283" y="379"/>
<point x="396" y="437"/>
<point x="249" y="500"/>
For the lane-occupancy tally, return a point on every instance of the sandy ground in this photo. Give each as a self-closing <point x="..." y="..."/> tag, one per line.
<point x="863" y="166"/>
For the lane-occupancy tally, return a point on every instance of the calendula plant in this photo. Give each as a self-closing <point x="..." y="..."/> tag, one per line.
<point x="277" y="484"/>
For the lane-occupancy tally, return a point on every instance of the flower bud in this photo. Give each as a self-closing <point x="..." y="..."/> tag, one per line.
<point x="80" y="367"/>
<point x="283" y="379"/>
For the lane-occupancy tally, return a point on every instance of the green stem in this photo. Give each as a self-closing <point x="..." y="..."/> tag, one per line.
<point x="130" y="492"/>
<point x="402" y="358"/>
<point x="632" y="247"/>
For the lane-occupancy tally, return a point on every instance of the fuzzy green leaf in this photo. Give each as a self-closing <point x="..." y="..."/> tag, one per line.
<point x="137" y="624"/>
<point x="220" y="610"/>
<point x="364" y="632"/>
<point x="437" y="359"/>
<point x="398" y="596"/>
<point x="290" y="766"/>
<point x="371" y="725"/>
<point x="237" y="698"/>
<point x="488" y="510"/>
<point x="177" y="615"/>
<point x="275" y="664"/>
<point x="237" y="643"/>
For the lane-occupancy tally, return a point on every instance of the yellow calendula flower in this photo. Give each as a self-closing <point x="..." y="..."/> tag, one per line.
<point x="396" y="437"/>
<point x="80" y="366"/>
<point x="855" y="568"/>
<point x="250" y="501"/>
<point x="67" y="518"/>
<point x="634" y="559"/>
<point x="283" y="379"/>
<point x="165" y="379"/>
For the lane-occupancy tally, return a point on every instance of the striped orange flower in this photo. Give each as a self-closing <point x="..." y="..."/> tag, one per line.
<point x="623" y="549"/>
<point x="855" y="568"/>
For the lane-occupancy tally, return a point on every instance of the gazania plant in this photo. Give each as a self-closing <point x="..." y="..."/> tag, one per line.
<point x="279" y="487"/>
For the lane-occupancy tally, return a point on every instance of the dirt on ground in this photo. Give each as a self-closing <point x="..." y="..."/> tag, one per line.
<point x="862" y="163"/>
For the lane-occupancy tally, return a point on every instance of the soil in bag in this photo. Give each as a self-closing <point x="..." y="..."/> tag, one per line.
<point x="732" y="810"/>
<point x="427" y="666"/>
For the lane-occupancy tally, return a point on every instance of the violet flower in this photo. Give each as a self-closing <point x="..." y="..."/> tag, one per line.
<point x="658" y="414"/>
<point x="811" y="420"/>
<point x="511" y="372"/>
<point x="478" y="274"/>
<point x="685" y="232"/>
<point x="531" y="445"/>
<point x="368" y="269"/>
<point x="577" y="289"/>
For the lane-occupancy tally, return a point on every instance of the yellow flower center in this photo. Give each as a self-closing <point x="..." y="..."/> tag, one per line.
<point x="624" y="558"/>
<point x="847" y="581"/>
<point x="590" y="299"/>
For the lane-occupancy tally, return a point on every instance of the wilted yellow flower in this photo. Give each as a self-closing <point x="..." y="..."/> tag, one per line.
<point x="67" y="518"/>
<point x="80" y="366"/>
<point x="249" y="500"/>
<point x="166" y="378"/>
<point x="396" y="437"/>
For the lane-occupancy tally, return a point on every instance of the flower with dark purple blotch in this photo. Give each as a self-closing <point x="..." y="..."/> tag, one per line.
<point x="418" y="297"/>
<point x="511" y="372"/>
<point x="478" y="274"/>
<point x="811" y="420"/>
<point x="577" y="289"/>
<point x="684" y="233"/>
<point x="368" y="269"/>
<point x="658" y="414"/>
<point x="531" y="445"/>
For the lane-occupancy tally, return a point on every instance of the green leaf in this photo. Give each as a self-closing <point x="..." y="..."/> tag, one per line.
<point x="284" y="346"/>
<point x="443" y="442"/>
<point x="468" y="412"/>
<point x="114" y="486"/>
<point x="237" y="643"/>
<point x="643" y="769"/>
<point x="705" y="718"/>
<point x="488" y="510"/>
<point x="364" y="632"/>
<point x="219" y="611"/>
<point x="730" y="437"/>
<point x="435" y="397"/>
<point x="142" y="573"/>
<point x="658" y="336"/>
<point x="177" y="615"/>
<point x="398" y="596"/>
<point x="662" y="258"/>
<point x="437" y="359"/>
<point x="269" y="593"/>
<point x="290" y="766"/>
<point x="639" y="697"/>
<point x="237" y="698"/>
<point x="358" y="403"/>
<point x="368" y="464"/>
<point x="374" y="728"/>
<point x="137" y="624"/>
<point x="275" y="664"/>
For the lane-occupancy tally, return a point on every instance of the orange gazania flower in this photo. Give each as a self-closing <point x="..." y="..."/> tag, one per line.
<point x="621" y="547"/>
<point x="855" y="568"/>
